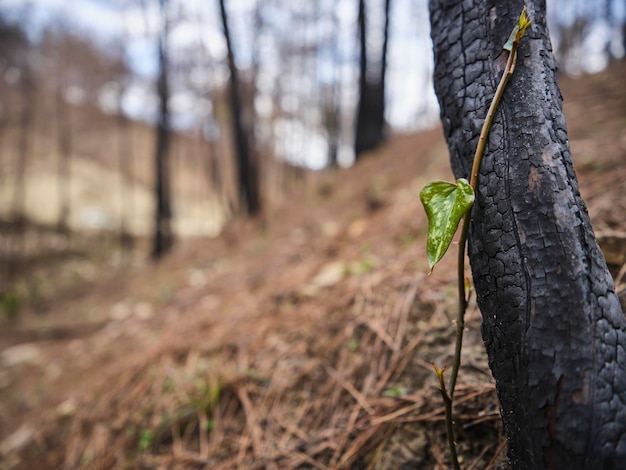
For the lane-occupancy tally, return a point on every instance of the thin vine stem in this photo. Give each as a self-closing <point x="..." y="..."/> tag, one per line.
<point x="478" y="157"/>
<point x="448" y="394"/>
<point x="447" y="400"/>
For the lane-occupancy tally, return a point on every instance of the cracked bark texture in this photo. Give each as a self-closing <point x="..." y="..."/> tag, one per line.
<point x="552" y="325"/>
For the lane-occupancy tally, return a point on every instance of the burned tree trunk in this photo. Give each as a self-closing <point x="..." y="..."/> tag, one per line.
<point x="163" y="236"/>
<point x="247" y="170"/>
<point x="552" y="324"/>
<point x="65" y="147"/>
<point x="370" y="119"/>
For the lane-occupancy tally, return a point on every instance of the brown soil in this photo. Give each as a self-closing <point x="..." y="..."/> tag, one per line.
<point x="304" y="341"/>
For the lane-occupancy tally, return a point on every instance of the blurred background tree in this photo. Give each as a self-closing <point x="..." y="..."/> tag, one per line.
<point x="240" y="118"/>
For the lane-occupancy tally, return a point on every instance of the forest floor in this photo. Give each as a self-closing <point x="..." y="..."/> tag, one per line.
<point x="304" y="341"/>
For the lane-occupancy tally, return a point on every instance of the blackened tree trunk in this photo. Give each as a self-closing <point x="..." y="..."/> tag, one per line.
<point x="163" y="237"/>
<point x="552" y="324"/>
<point x="370" y="119"/>
<point x="364" y="138"/>
<point x="332" y="112"/>
<point x="64" y="145"/>
<point x="331" y="124"/>
<point x="380" y="105"/>
<point x="125" y="160"/>
<point x="247" y="170"/>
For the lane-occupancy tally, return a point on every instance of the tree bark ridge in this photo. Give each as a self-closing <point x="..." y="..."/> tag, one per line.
<point x="552" y="324"/>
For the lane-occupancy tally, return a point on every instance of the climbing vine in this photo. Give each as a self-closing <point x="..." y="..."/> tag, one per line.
<point x="445" y="205"/>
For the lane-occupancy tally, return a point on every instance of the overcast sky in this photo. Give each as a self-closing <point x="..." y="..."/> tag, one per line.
<point x="105" y="20"/>
<point x="411" y="100"/>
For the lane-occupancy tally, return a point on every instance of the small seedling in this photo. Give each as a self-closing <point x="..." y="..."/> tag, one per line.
<point x="145" y="439"/>
<point x="446" y="204"/>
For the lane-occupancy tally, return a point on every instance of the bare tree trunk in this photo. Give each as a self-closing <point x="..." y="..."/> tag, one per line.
<point x="125" y="156"/>
<point x="370" y="127"/>
<point x="332" y="97"/>
<point x="363" y="139"/>
<point x="248" y="175"/>
<point x="210" y="163"/>
<point x="552" y="324"/>
<point x="163" y="237"/>
<point x="64" y="143"/>
<point x="23" y="148"/>
<point x="380" y="106"/>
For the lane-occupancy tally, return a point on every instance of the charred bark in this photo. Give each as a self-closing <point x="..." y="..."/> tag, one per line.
<point x="163" y="237"/>
<point x="370" y="125"/>
<point x="380" y="107"/>
<point x="126" y="187"/>
<point x="247" y="171"/>
<point x="65" y="146"/>
<point x="332" y="98"/>
<point x="552" y="324"/>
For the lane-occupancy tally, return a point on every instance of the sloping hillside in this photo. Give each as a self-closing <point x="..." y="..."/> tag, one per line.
<point x="302" y="341"/>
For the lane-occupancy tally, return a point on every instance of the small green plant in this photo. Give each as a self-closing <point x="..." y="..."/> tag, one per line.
<point x="145" y="439"/>
<point x="361" y="267"/>
<point x="396" y="392"/>
<point x="207" y="393"/>
<point x="446" y="204"/>
<point x="11" y="304"/>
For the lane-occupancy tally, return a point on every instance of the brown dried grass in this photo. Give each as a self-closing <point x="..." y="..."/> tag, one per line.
<point x="286" y="390"/>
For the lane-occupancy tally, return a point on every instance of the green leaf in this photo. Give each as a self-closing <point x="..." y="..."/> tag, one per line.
<point x="509" y="44"/>
<point x="445" y="204"/>
<point x="518" y="31"/>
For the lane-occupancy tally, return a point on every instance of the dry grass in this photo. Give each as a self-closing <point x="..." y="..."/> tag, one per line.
<point x="251" y="358"/>
<point x="277" y="398"/>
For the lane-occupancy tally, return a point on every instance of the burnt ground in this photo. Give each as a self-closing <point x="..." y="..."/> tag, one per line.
<point x="301" y="341"/>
